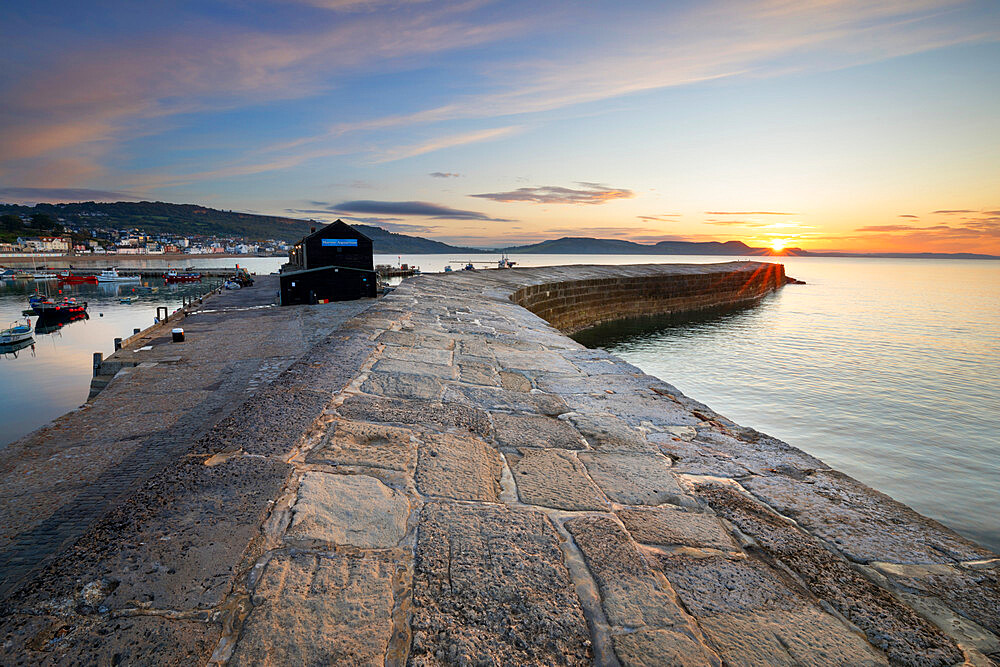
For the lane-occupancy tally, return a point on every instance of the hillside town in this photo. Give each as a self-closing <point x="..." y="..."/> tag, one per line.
<point x="42" y="234"/>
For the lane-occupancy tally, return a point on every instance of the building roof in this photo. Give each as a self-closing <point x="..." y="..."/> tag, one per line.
<point x="336" y="227"/>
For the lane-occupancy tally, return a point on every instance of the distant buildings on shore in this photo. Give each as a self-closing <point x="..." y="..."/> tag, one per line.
<point x="137" y="242"/>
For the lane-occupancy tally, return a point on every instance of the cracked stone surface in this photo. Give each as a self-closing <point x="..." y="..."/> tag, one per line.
<point x="458" y="467"/>
<point x="632" y="593"/>
<point x="351" y="443"/>
<point x="675" y="526"/>
<point x="489" y="585"/>
<point x="516" y="431"/>
<point x="555" y="478"/>
<point x="633" y="479"/>
<point x="354" y="510"/>
<point x="312" y="609"/>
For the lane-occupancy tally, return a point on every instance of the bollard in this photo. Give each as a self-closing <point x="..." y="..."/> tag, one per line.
<point x="98" y="358"/>
<point x="118" y="344"/>
<point x="177" y="335"/>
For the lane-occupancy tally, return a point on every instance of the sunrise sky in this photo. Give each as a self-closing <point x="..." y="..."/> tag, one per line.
<point x="854" y="125"/>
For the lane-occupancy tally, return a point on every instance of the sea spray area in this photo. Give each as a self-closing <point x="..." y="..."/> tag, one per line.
<point x="440" y="476"/>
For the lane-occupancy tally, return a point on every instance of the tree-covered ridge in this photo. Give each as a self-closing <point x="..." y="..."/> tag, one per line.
<point x="166" y="218"/>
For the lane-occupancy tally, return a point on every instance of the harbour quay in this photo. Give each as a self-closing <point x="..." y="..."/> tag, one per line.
<point x="441" y="476"/>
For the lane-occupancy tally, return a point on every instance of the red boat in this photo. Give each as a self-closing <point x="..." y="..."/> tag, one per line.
<point x="174" y="277"/>
<point x="69" y="278"/>
<point x="45" y="306"/>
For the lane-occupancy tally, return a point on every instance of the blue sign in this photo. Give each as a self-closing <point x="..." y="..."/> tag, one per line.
<point x="340" y="242"/>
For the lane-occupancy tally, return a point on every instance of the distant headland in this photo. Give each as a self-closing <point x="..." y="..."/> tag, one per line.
<point x="195" y="220"/>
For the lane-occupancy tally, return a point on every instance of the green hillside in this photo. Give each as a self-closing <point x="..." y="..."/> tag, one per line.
<point x="162" y="217"/>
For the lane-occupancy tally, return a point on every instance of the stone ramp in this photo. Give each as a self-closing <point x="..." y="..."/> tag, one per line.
<point x="63" y="477"/>
<point x="446" y="479"/>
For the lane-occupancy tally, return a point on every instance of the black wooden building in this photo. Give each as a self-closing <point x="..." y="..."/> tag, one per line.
<point x="333" y="263"/>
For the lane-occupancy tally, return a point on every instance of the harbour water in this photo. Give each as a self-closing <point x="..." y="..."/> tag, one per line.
<point x="888" y="370"/>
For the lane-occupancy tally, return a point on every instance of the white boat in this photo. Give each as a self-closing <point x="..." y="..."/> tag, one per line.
<point x="231" y="284"/>
<point x="43" y="275"/>
<point x="16" y="333"/>
<point x="112" y="276"/>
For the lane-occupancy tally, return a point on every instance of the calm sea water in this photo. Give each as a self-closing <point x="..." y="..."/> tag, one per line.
<point x="888" y="370"/>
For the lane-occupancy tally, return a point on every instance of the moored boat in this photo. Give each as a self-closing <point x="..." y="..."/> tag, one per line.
<point x="16" y="333"/>
<point x="69" y="278"/>
<point x="46" y="306"/>
<point x="112" y="276"/>
<point x="175" y="277"/>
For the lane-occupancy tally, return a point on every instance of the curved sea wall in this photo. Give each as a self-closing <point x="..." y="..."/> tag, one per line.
<point x="574" y="303"/>
<point x="442" y="477"/>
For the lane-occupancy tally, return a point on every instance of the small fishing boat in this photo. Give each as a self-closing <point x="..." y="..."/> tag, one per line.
<point x="175" y="277"/>
<point x="16" y="333"/>
<point x="67" y="306"/>
<point x="70" y="279"/>
<point x="44" y="275"/>
<point x="112" y="276"/>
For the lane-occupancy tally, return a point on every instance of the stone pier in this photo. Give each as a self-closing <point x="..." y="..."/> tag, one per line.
<point x="442" y="477"/>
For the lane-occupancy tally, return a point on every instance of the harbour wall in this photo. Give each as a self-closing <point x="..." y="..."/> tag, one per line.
<point x="573" y="305"/>
<point x="441" y="476"/>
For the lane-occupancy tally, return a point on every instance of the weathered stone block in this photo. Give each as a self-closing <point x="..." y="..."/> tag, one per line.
<point x="354" y="510"/>
<point x="632" y="594"/>
<point x="865" y="524"/>
<point x="633" y="479"/>
<point x="416" y="413"/>
<point x="893" y="627"/>
<point x="607" y="433"/>
<point x="662" y="648"/>
<point x="490" y="587"/>
<point x="462" y="468"/>
<point x="403" y="385"/>
<point x="670" y="526"/>
<point x="312" y="609"/>
<point x="555" y="478"/>
<point x="520" y="430"/>
<point x="104" y="640"/>
<point x="350" y="443"/>
<point x="802" y="636"/>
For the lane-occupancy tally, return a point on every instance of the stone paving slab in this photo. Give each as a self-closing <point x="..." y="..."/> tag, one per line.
<point x="891" y="626"/>
<point x="517" y="430"/>
<point x="633" y="479"/>
<point x="318" y="609"/>
<point x="418" y="414"/>
<point x="354" y="510"/>
<point x="462" y="468"/>
<point x="675" y="526"/>
<point x="863" y="523"/>
<point x="633" y="595"/>
<point x="350" y="443"/>
<point x="555" y="478"/>
<point x="490" y="587"/>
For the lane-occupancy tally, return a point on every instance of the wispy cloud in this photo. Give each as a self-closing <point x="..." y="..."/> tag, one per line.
<point x="61" y="195"/>
<point x="411" y="208"/>
<point x="442" y="142"/>
<point x="907" y="215"/>
<point x="443" y="174"/>
<point x="663" y="217"/>
<point x="590" y="193"/>
<point x="747" y="213"/>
